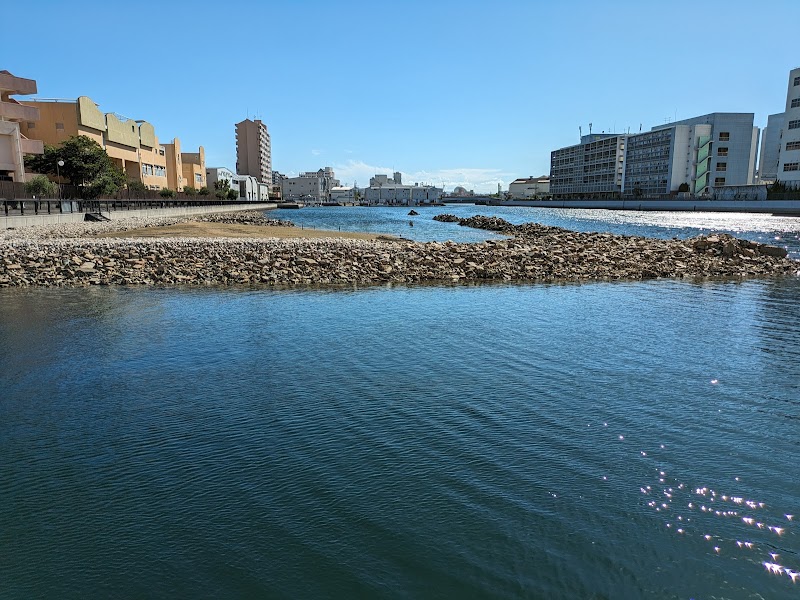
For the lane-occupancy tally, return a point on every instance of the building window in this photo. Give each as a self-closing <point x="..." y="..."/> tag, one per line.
<point x="795" y="103"/>
<point x="198" y="178"/>
<point x="724" y="136"/>
<point x="793" y="145"/>
<point x="718" y="181"/>
<point x="791" y="166"/>
<point x="59" y="127"/>
<point x="31" y="125"/>
<point x="794" y="124"/>
<point x="722" y="166"/>
<point x="722" y="151"/>
<point x="797" y="81"/>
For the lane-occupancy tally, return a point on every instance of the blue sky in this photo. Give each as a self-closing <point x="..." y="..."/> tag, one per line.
<point x="455" y="93"/>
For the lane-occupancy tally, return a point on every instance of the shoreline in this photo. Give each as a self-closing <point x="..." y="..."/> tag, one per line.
<point x="58" y="257"/>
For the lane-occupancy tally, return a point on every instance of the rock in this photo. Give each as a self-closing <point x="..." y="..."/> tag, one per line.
<point x="413" y="213"/>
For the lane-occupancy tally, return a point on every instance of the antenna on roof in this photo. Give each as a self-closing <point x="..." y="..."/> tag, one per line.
<point x="580" y="131"/>
<point x="590" y="129"/>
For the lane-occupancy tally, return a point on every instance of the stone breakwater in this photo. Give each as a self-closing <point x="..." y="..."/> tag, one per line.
<point x="537" y="253"/>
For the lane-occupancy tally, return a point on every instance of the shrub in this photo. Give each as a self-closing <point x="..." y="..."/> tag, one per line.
<point x="167" y="193"/>
<point x="41" y="186"/>
<point x="190" y="191"/>
<point x="203" y="191"/>
<point x="233" y="195"/>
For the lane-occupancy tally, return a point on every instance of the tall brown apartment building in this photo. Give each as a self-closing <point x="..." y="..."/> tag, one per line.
<point x="254" y="150"/>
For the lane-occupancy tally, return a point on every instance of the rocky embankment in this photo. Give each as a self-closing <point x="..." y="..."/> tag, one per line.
<point x="534" y="253"/>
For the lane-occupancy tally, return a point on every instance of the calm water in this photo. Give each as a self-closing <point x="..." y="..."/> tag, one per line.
<point x="428" y="442"/>
<point x="782" y="231"/>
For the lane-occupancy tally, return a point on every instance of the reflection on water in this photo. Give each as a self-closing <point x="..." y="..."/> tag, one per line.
<point x="767" y="229"/>
<point x="555" y="441"/>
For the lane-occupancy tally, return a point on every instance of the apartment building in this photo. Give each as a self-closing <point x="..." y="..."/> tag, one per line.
<point x="14" y="145"/>
<point x="131" y="144"/>
<point x="593" y="168"/>
<point x="254" y="150"/>
<point x="789" y="149"/>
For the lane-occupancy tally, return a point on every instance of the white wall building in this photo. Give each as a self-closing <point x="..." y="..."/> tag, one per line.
<point x="695" y="155"/>
<point x="770" y="148"/>
<point x="789" y="154"/>
<point x="593" y="168"/>
<point x="312" y="186"/>
<point x="247" y="187"/>
<point x="529" y="187"/>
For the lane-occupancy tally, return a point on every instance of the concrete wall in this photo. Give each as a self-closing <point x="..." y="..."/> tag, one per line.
<point x="778" y="207"/>
<point x="18" y="221"/>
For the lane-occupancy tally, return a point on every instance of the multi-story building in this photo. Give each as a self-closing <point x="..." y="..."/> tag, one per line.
<point x="528" y="187"/>
<point x="789" y="150"/>
<point x="254" y="150"/>
<point x="131" y="145"/>
<point x="185" y="169"/>
<point x="694" y="156"/>
<point x="593" y="168"/>
<point x="717" y="150"/>
<point x="312" y="186"/>
<point x="14" y="145"/>
<point x="770" y="149"/>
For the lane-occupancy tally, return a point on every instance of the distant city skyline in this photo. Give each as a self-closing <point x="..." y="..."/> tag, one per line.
<point x="448" y="93"/>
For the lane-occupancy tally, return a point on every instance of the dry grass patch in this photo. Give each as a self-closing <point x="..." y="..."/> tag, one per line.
<point x="231" y="230"/>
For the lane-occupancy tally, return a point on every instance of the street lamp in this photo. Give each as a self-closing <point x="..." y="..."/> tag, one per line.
<point x="59" y="164"/>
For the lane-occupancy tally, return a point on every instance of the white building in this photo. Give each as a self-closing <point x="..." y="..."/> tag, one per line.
<point x="248" y="188"/>
<point x="789" y="152"/>
<point x="694" y="155"/>
<point x="312" y="186"/>
<point x="343" y="195"/>
<point x="593" y="168"/>
<point x="529" y="187"/>
<point x="770" y="148"/>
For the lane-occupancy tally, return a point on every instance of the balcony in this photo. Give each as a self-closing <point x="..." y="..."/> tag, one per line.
<point x="30" y="146"/>
<point x="14" y="111"/>
<point x="16" y="85"/>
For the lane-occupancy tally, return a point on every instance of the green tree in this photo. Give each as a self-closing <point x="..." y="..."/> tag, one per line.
<point x="166" y="193"/>
<point x="86" y="164"/>
<point x="40" y="185"/>
<point x="203" y="191"/>
<point x="136" y="187"/>
<point x="105" y="184"/>
<point x="190" y="191"/>
<point x="221" y="188"/>
<point x="233" y="195"/>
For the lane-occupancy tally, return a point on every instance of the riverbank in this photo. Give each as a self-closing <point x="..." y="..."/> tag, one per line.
<point x="535" y="253"/>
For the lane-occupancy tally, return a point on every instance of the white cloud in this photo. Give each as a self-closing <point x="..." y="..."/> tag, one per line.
<point x="479" y="179"/>
<point x="316" y="152"/>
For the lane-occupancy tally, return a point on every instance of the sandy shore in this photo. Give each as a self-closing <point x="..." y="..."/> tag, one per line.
<point x="233" y="230"/>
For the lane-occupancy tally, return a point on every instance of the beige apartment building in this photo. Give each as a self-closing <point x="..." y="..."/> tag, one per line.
<point x="14" y="145"/>
<point x="131" y="145"/>
<point x="254" y="150"/>
<point x="185" y="169"/>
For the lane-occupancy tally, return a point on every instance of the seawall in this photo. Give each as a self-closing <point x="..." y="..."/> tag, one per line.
<point x="776" y="207"/>
<point x="77" y="217"/>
